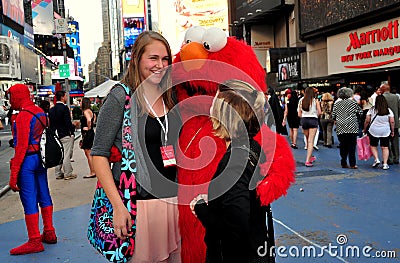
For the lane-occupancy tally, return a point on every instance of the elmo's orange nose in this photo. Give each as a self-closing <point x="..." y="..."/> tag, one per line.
<point x="193" y="56"/>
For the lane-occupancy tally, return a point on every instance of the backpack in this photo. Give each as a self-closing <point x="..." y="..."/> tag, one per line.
<point x="51" y="148"/>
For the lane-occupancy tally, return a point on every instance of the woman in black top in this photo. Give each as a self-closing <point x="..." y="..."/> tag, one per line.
<point x="87" y="122"/>
<point x="232" y="214"/>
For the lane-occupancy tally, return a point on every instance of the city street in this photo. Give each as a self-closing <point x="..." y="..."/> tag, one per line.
<point x="351" y="213"/>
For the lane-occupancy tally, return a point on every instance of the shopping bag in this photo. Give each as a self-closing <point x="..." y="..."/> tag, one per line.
<point x="363" y="148"/>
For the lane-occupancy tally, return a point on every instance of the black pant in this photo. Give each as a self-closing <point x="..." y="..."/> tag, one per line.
<point x="394" y="147"/>
<point x="348" y="145"/>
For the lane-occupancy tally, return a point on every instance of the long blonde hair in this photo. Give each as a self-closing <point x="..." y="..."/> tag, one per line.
<point x="132" y="75"/>
<point x="237" y="111"/>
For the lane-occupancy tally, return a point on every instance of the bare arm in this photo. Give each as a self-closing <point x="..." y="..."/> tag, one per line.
<point x="285" y="114"/>
<point x="366" y="123"/>
<point x="319" y="112"/>
<point x="88" y="115"/>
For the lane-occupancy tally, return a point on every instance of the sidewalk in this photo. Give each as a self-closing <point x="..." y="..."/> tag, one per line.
<point x="72" y="200"/>
<point x="326" y="201"/>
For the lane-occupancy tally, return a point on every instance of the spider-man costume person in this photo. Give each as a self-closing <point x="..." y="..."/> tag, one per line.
<point x="207" y="59"/>
<point x="28" y="176"/>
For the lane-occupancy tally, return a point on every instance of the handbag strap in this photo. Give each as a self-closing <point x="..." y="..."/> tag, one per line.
<point x="369" y="125"/>
<point x="127" y="181"/>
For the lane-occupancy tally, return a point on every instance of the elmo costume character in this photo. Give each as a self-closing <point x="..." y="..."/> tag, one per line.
<point x="28" y="176"/>
<point x="206" y="59"/>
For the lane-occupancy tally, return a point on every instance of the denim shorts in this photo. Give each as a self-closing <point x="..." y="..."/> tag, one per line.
<point x="309" y="122"/>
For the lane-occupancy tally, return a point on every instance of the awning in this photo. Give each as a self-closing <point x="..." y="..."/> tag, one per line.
<point x="101" y="90"/>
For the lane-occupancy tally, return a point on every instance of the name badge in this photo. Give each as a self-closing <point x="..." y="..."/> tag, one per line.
<point x="168" y="155"/>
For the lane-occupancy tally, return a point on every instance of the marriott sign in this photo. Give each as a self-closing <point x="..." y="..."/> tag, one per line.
<point x="375" y="46"/>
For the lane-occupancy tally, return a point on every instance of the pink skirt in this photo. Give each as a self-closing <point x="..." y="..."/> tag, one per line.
<point x="157" y="231"/>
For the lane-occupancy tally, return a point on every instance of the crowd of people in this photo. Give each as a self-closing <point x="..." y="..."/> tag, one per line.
<point x="139" y="129"/>
<point x="351" y="113"/>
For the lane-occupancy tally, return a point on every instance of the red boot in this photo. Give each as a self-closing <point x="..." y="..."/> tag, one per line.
<point x="49" y="233"/>
<point x="34" y="243"/>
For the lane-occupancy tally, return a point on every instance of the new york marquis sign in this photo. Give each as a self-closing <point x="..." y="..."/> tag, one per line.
<point x="372" y="47"/>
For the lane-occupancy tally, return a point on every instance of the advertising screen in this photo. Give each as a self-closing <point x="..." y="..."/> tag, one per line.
<point x="42" y="16"/>
<point x="133" y="26"/>
<point x="132" y="8"/>
<point x="176" y="16"/>
<point x="74" y="43"/>
<point x="60" y="60"/>
<point x="14" y="10"/>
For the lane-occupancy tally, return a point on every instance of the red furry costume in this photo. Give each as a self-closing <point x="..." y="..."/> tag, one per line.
<point x="200" y="151"/>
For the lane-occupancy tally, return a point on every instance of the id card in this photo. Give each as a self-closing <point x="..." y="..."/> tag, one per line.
<point x="168" y="155"/>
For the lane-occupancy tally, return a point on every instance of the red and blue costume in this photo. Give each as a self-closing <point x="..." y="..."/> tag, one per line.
<point x="27" y="175"/>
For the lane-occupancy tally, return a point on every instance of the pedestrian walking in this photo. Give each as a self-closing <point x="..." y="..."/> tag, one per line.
<point x="60" y="120"/>
<point x="393" y="103"/>
<point x="277" y="111"/>
<point x="308" y="110"/>
<point x="379" y="125"/>
<point x="27" y="175"/>
<point x="326" y="118"/>
<point x="346" y="113"/>
<point x="154" y="130"/>
<point x="87" y="130"/>
<point x="292" y="118"/>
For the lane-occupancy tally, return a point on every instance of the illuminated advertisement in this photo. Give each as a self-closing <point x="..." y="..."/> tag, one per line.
<point x="29" y="38"/>
<point x="60" y="60"/>
<point x="178" y="16"/>
<point x="133" y="8"/>
<point x="14" y="10"/>
<point x="10" y="61"/>
<point x="11" y="33"/>
<point x="46" y="91"/>
<point x="74" y="43"/>
<point x="132" y="28"/>
<point x="42" y="17"/>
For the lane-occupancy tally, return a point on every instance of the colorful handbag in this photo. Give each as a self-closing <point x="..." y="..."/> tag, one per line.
<point x="101" y="231"/>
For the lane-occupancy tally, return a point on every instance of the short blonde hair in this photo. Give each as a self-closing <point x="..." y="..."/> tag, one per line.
<point x="237" y="111"/>
<point x="327" y="96"/>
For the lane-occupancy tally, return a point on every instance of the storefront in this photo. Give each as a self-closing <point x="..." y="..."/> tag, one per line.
<point x="368" y="55"/>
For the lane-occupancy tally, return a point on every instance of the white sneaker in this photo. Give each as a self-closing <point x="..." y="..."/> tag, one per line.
<point x="376" y="163"/>
<point x="385" y="166"/>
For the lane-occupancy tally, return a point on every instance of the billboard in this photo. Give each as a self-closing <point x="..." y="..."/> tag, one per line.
<point x="179" y="15"/>
<point x="132" y="8"/>
<point x="10" y="61"/>
<point x="42" y="16"/>
<point x="132" y="28"/>
<point x="14" y="10"/>
<point x="74" y="42"/>
<point x="60" y="60"/>
<point x="371" y="47"/>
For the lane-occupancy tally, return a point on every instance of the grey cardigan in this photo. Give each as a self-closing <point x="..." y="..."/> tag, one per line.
<point x="109" y="133"/>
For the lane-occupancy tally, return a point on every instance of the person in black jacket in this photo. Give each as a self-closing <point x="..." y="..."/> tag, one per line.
<point x="231" y="212"/>
<point x="60" y="120"/>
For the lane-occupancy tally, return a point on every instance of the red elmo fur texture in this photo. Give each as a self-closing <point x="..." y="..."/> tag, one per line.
<point x="199" y="151"/>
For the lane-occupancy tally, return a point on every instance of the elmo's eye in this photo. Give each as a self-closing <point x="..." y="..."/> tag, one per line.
<point x="214" y="39"/>
<point x="194" y="34"/>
